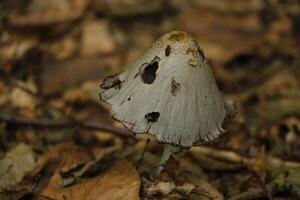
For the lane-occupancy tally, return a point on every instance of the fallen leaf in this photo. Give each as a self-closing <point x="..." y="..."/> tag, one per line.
<point x="104" y="160"/>
<point x="15" y="164"/>
<point x="128" y="7"/>
<point x="120" y="182"/>
<point x="33" y="180"/>
<point x="4" y="90"/>
<point x="196" y="185"/>
<point x="58" y="161"/>
<point x="48" y="12"/>
<point x="21" y="99"/>
<point x="222" y="6"/>
<point x="96" y="38"/>
<point x="72" y="158"/>
<point x="70" y="73"/>
<point x="61" y="49"/>
<point x="206" y="191"/>
<point x="223" y="40"/>
<point x="14" y="47"/>
<point x="88" y="91"/>
<point x="162" y="188"/>
<point x="186" y="188"/>
<point x="277" y="97"/>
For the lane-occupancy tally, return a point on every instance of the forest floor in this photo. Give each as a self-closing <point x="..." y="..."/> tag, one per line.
<point x="57" y="140"/>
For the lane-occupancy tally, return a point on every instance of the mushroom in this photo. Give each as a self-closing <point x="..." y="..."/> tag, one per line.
<point x="169" y="92"/>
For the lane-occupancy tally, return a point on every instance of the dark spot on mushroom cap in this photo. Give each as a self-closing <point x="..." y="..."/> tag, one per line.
<point x="148" y="74"/>
<point x="110" y="82"/>
<point x="152" y="116"/>
<point x="168" y="50"/>
<point x="175" y="87"/>
<point x="128" y="99"/>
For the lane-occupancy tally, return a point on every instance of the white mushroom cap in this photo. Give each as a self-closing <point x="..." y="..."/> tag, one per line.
<point x="169" y="92"/>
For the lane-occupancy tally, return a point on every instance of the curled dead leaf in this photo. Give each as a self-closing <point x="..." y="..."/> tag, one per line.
<point x="120" y="182"/>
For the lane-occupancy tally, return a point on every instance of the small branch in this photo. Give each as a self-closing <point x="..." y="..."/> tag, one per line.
<point x="49" y="123"/>
<point x="54" y="124"/>
<point x="233" y="157"/>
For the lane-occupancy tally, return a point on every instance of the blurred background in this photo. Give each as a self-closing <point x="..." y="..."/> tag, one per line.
<point x="55" y="53"/>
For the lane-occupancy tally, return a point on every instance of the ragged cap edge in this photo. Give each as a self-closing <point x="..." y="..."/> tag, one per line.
<point x="229" y="107"/>
<point x="220" y="130"/>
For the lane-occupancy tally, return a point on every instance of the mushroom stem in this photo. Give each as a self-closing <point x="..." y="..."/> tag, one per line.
<point x="168" y="151"/>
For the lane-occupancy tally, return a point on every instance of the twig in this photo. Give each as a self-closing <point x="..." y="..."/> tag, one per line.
<point x="253" y="194"/>
<point x="233" y="157"/>
<point x="63" y="123"/>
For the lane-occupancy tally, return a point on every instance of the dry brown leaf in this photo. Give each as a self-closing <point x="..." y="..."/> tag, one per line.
<point x="96" y="38"/>
<point x="103" y="136"/>
<point x="120" y="182"/>
<point x="33" y="180"/>
<point x="15" y="164"/>
<point x="196" y="185"/>
<point x="88" y="91"/>
<point x="226" y="38"/>
<point x="186" y="188"/>
<point x="4" y="91"/>
<point x="22" y="99"/>
<point x="162" y="188"/>
<point x="57" y="76"/>
<point x="165" y="188"/>
<point x="229" y="6"/>
<point x="48" y="12"/>
<point x="62" y="49"/>
<point x="71" y="156"/>
<point x="14" y="46"/>
<point x="206" y="191"/>
<point x="277" y="97"/>
<point x="128" y="7"/>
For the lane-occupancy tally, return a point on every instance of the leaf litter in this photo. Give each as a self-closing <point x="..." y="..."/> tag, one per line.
<point x="52" y="64"/>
